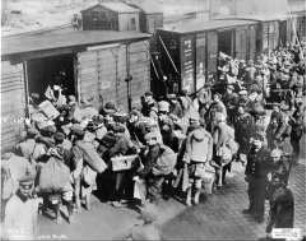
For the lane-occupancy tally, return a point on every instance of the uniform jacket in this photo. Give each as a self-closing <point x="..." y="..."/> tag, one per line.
<point x="199" y="146"/>
<point x="258" y="164"/>
<point x="230" y="100"/>
<point x="243" y="131"/>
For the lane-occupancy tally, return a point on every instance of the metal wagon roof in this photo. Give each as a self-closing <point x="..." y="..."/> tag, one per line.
<point x="197" y="25"/>
<point x="15" y="45"/>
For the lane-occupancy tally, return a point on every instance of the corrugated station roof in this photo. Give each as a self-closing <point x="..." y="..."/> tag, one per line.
<point x="198" y="25"/>
<point x="115" y="6"/>
<point x="24" y="44"/>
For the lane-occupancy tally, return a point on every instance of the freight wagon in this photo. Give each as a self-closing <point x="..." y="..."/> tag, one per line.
<point x="271" y="30"/>
<point x="100" y="66"/>
<point x="188" y="53"/>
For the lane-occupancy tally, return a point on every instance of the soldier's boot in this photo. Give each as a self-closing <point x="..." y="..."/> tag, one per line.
<point x="188" y="199"/>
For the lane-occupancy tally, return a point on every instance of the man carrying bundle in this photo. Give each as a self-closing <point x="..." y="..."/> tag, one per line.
<point x="159" y="161"/>
<point x="199" y="148"/>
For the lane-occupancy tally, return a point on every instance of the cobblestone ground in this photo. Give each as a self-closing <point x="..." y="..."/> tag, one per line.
<point x="219" y="216"/>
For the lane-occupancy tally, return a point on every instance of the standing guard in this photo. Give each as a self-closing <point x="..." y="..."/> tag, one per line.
<point x="256" y="176"/>
<point x="282" y="205"/>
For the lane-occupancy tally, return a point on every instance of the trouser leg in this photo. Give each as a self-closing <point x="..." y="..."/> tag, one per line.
<point x="188" y="198"/>
<point x="198" y="186"/>
<point x="259" y="199"/>
<point x="155" y="188"/>
<point x="251" y="197"/>
<point x="295" y="142"/>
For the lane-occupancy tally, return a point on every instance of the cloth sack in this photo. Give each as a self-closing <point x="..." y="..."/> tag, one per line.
<point x="91" y="157"/>
<point x="166" y="162"/>
<point x="233" y="146"/>
<point x="54" y="176"/>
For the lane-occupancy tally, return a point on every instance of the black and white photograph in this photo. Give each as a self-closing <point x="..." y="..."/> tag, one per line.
<point x="153" y="120"/>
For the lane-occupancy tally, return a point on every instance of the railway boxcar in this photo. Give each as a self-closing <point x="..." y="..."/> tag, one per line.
<point x="189" y="51"/>
<point x="271" y="30"/>
<point x="99" y="66"/>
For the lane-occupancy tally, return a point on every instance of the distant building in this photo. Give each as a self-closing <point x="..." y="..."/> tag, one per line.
<point x="151" y="15"/>
<point x="111" y="16"/>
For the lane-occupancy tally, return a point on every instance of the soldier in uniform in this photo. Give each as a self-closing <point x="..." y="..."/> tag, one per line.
<point x="256" y="176"/>
<point x="159" y="161"/>
<point x="281" y="206"/>
<point x="276" y="126"/>
<point x="230" y="100"/>
<point x="279" y="165"/>
<point x="243" y="130"/>
<point x="296" y="122"/>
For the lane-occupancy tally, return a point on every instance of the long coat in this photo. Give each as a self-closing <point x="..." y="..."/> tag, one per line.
<point x="281" y="210"/>
<point x="256" y="171"/>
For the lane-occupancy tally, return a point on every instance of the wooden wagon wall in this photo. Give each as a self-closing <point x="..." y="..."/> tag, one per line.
<point x="102" y="73"/>
<point x="13" y="104"/>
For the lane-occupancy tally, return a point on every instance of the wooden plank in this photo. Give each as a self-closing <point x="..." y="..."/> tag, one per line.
<point x="12" y="110"/>
<point x="87" y="75"/>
